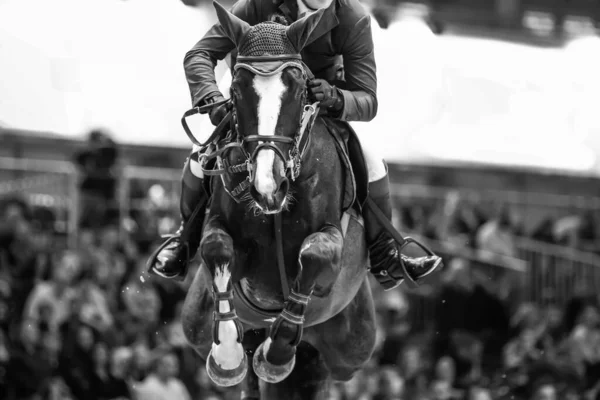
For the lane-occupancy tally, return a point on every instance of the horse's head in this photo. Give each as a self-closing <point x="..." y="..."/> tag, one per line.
<point x="269" y="93"/>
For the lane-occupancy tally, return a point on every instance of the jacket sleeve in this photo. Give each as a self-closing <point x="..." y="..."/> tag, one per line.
<point x="360" y="92"/>
<point x="200" y="62"/>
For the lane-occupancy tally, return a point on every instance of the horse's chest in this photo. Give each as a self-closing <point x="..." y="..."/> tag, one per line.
<point x="255" y="229"/>
<point x="260" y="230"/>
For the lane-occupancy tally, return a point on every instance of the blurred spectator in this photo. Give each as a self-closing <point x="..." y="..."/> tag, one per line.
<point x="96" y="162"/>
<point x="50" y="303"/>
<point x="88" y="322"/>
<point x="391" y="385"/>
<point x="4" y="363"/>
<point x="162" y="383"/>
<point x="545" y="391"/>
<point x="76" y="365"/>
<point x="110" y="371"/>
<point x="28" y="371"/>
<point x="98" y="184"/>
<point x="477" y="393"/>
<point x="497" y="236"/>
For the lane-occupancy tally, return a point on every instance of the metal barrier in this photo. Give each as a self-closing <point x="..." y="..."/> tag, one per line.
<point x="142" y="179"/>
<point x="548" y="274"/>
<point x="55" y="184"/>
<point x="557" y="273"/>
<point x="552" y="274"/>
<point x="48" y="183"/>
<point x="424" y="301"/>
<point x="533" y="206"/>
<point x="530" y="199"/>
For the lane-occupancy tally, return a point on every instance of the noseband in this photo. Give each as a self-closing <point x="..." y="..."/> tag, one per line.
<point x="220" y="143"/>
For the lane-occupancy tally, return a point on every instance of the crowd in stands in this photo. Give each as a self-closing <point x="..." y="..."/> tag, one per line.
<point x="84" y="321"/>
<point x="88" y="323"/>
<point x="487" y="223"/>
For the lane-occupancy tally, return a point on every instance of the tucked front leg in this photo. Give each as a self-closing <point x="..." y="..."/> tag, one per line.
<point x="319" y="262"/>
<point x="227" y="362"/>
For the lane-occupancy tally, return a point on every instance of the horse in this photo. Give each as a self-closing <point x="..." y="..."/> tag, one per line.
<point x="284" y="274"/>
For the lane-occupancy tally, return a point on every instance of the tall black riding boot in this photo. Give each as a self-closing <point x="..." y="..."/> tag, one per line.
<point x="388" y="264"/>
<point x="171" y="259"/>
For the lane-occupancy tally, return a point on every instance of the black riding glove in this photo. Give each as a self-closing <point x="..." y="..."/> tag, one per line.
<point x="219" y="112"/>
<point x="327" y="94"/>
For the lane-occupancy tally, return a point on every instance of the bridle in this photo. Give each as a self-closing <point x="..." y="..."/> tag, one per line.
<point x="219" y="145"/>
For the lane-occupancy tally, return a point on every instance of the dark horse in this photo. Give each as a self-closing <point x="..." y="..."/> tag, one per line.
<point x="284" y="281"/>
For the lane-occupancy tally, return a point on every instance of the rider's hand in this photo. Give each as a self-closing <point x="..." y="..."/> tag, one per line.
<point x="219" y="112"/>
<point x="327" y="94"/>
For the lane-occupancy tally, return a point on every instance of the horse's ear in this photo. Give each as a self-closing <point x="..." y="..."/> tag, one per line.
<point x="299" y="32"/>
<point x="234" y="27"/>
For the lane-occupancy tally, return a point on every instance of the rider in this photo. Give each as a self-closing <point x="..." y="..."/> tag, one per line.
<point x="344" y="30"/>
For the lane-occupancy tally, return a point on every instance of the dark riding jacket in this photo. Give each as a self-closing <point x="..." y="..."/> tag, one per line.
<point x="344" y="31"/>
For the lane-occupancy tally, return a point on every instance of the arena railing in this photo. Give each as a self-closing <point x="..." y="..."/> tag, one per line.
<point x="557" y="273"/>
<point x="145" y="178"/>
<point x="55" y="184"/>
<point x="541" y="273"/>
<point x="526" y="201"/>
<point x="502" y="275"/>
<point x="48" y="183"/>
<point x="552" y="273"/>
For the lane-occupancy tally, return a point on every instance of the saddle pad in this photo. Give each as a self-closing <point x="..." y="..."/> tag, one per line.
<point x="352" y="213"/>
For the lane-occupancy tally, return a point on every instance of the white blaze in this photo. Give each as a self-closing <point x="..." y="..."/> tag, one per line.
<point x="270" y="90"/>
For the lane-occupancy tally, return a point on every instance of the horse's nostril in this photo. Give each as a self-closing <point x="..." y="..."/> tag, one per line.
<point x="254" y="193"/>
<point x="283" y="186"/>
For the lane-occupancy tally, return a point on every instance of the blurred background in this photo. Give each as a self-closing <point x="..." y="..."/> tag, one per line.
<point x="488" y="118"/>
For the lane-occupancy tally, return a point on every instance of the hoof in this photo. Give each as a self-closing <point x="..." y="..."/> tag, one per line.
<point x="269" y="372"/>
<point x="226" y="377"/>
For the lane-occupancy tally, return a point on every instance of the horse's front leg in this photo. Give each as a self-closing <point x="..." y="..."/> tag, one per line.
<point x="319" y="261"/>
<point x="227" y="362"/>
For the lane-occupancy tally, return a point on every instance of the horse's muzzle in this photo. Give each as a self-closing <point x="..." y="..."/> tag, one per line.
<point x="274" y="202"/>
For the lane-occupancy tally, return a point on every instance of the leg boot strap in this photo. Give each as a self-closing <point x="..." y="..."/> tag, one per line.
<point x="231" y="315"/>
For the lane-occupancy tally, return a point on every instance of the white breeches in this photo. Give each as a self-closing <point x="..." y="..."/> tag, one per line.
<point x="375" y="164"/>
<point x="195" y="166"/>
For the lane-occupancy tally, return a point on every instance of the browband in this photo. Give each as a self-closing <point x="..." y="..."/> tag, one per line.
<point x="267" y="72"/>
<point x="281" y="57"/>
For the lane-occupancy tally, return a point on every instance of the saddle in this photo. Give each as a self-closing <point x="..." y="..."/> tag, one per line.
<point x="355" y="168"/>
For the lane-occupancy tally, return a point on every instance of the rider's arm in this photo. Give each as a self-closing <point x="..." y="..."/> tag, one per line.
<point x="200" y="62"/>
<point x="360" y="92"/>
